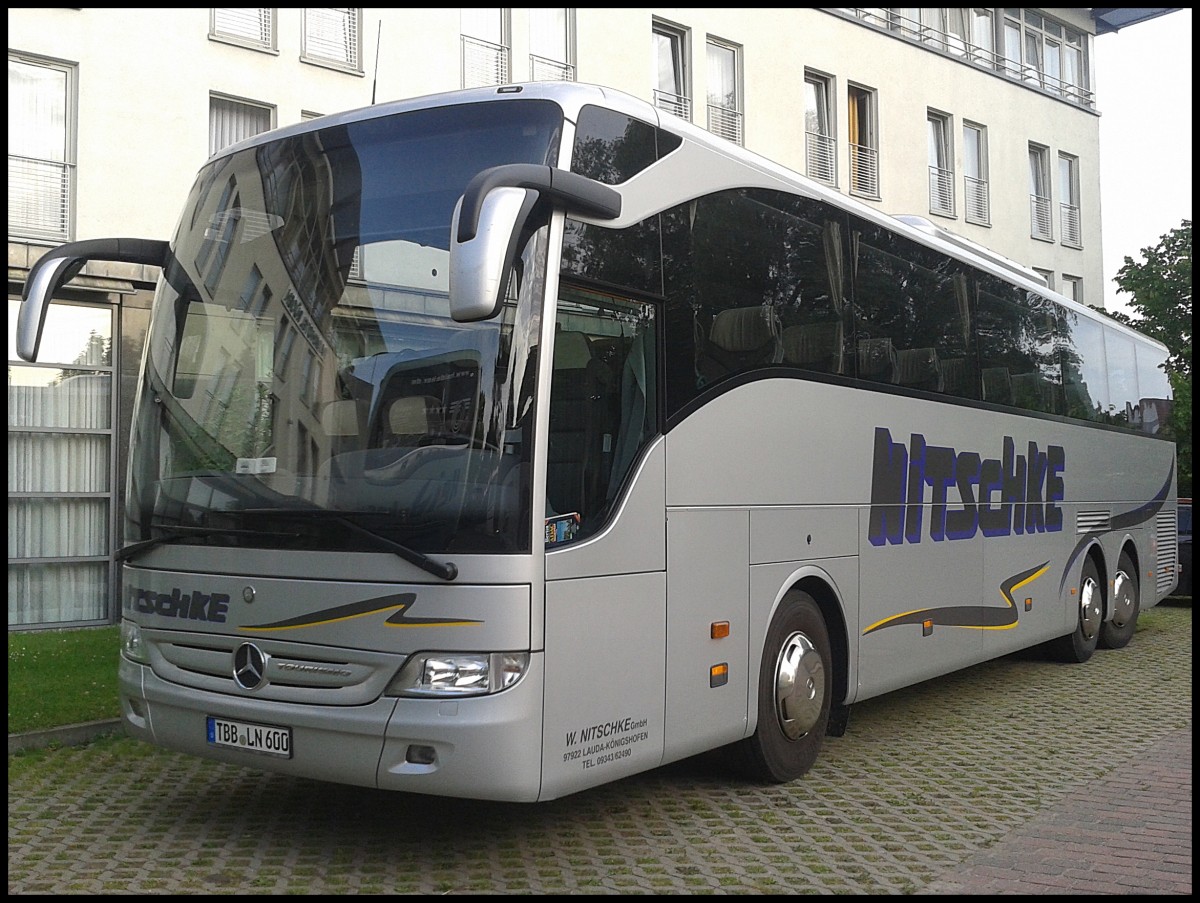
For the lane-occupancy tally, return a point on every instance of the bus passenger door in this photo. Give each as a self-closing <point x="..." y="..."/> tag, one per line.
<point x="605" y="617"/>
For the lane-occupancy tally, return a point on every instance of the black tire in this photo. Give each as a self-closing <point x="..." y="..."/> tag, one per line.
<point x="1127" y="602"/>
<point x="792" y="714"/>
<point x="1078" y="645"/>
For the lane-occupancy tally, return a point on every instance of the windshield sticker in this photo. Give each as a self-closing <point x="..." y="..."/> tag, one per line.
<point x="562" y="528"/>
<point x="256" y="465"/>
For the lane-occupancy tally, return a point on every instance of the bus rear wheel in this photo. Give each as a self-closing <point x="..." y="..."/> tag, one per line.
<point x="1078" y="645"/>
<point x="1117" y="633"/>
<point x="795" y="690"/>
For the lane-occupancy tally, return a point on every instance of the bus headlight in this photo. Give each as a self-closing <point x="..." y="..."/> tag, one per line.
<point x="458" y="673"/>
<point x="132" y="646"/>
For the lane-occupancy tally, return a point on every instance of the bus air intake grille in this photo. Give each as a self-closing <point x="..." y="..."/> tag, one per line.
<point x="1092" y="522"/>
<point x="1166" y="539"/>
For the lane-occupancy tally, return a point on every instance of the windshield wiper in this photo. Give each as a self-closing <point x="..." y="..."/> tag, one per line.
<point x="178" y="532"/>
<point x="447" y="570"/>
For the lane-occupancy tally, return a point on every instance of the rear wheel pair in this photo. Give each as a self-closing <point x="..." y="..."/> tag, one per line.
<point x="1091" y="630"/>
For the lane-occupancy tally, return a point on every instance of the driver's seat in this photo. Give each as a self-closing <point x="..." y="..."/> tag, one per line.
<point x="407" y="421"/>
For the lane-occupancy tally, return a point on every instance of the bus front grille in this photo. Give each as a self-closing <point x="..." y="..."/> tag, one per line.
<point x="294" y="672"/>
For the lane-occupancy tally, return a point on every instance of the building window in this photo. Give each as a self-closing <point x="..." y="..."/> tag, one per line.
<point x="248" y="26"/>
<point x="230" y="121"/>
<point x="864" y="154"/>
<point x="41" y="148"/>
<point x="332" y="37"/>
<point x="1039" y="193"/>
<point x="724" y="90"/>
<point x="1068" y="206"/>
<point x="1047" y="277"/>
<point x="485" y="50"/>
<point x="1024" y="45"/>
<point x="820" y="145"/>
<point x="1046" y="54"/>
<point x="982" y="48"/>
<point x="551" y="44"/>
<point x="671" y="71"/>
<point x="941" y="165"/>
<point x="976" y="195"/>
<point x="1072" y="287"/>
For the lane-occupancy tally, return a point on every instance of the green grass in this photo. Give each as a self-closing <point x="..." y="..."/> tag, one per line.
<point x="59" y="677"/>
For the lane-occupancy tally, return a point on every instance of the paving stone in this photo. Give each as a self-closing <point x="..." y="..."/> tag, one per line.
<point x="1015" y="776"/>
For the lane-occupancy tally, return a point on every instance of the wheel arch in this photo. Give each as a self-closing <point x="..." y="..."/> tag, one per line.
<point x="1096" y="553"/>
<point x="822" y="590"/>
<point x="1129" y="547"/>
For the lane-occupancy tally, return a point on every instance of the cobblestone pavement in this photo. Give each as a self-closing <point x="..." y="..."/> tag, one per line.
<point x="1016" y="776"/>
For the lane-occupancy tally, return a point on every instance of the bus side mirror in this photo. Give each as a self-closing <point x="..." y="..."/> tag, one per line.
<point x="59" y="265"/>
<point x="480" y="265"/>
<point x="490" y="218"/>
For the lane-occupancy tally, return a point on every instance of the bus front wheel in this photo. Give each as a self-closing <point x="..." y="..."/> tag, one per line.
<point x="795" y="690"/>
<point x="1117" y="633"/>
<point x="1078" y="645"/>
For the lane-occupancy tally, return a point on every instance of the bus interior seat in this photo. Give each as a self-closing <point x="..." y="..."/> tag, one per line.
<point x="814" y="346"/>
<point x="997" y="385"/>
<point x="740" y="338"/>
<point x="954" y="376"/>
<point x="919" y="368"/>
<point x="408" y="420"/>
<point x="578" y="421"/>
<point x="877" y="360"/>
<point x="1033" y="391"/>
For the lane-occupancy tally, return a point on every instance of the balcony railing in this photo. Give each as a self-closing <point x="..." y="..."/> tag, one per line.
<point x="864" y="170"/>
<point x="892" y="21"/>
<point x="39" y="197"/>
<point x="1039" y="217"/>
<point x="941" y="191"/>
<point x="977" y="200"/>
<point x="1068" y="223"/>
<point x="820" y="157"/>
<point x="673" y="103"/>
<point x="726" y="122"/>
<point x="483" y="63"/>
<point x="542" y="69"/>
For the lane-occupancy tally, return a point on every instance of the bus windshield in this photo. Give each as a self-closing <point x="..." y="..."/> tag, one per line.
<point x="305" y="386"/>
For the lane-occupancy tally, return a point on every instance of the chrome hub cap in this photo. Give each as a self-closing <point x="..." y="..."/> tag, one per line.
<point x="1124" y="602"/>
<point x="799" y="686"/>
<point x="1091" y="611"/>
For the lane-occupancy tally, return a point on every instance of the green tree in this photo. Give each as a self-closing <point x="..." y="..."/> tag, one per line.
<point x="1160" y="298"/>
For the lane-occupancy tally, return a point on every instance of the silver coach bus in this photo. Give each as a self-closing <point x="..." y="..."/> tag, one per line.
<point x="507" y="442"/>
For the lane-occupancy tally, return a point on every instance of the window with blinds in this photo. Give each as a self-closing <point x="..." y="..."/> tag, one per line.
<point x="230" y="121"/>
<point x="249" y="26"/>
<point x="332" y="36"/>
<point x="41" y="148"/>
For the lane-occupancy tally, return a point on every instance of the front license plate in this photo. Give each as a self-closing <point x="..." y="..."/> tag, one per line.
<point x="261" y="738"/>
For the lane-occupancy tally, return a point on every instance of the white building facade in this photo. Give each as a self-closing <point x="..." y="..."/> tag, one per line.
<point x="983" y="120"/>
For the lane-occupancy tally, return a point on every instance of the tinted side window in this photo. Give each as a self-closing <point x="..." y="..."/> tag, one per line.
<point x="611" y="147"/>
<point x="1155" y="388"/>
<point x="753" y="280"/>
<point x="628" y="257"/>
<point x="1018" y="347"/>
<point x="912" y="323"/>
<point x="1084" y="369"/>
<point x="1122" y="379"/>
